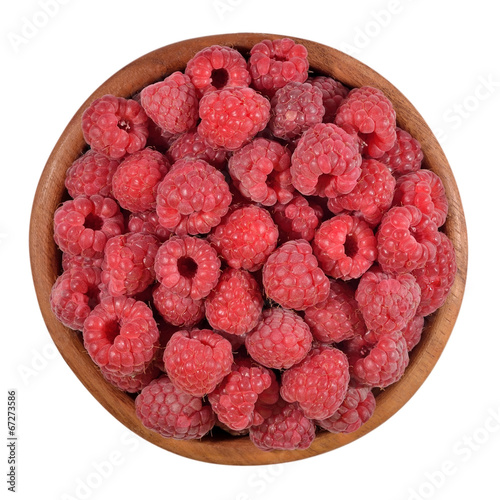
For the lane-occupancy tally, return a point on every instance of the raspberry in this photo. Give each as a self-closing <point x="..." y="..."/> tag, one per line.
<point x="192" y="198"/>
<point x="292" y="278"/>
<point x="274" y="63"/>
<point x="366" y="111"/>
<point x="197" y="360"/>
<point x="115" y="126"/>
<point x="236" y="341"/>
<point x="90" y="174"/>
<point x="121" y="335"/>
<point x="406" y="240"/>
<point x="128" y="266"/>
<point x="173" y="413"/>
<point x="217" y="67"/>
<point x="83" y="226"/>
<point x="69" y="261"/>
<point x="294" y="108"/>
<point x="136" y="180"/>
<point x="177" y="310"/>
<point x="424" y="190"/>
<point x="333" y="93"/>
<point x="147" y="223"/>
<point x="338" y="317"/>
<point x="357" y="407"/>
<point x="132" y="383"/>
<point x="246" y="237"/>
<point x="436" y="277"/>
<point x="232" y="117"/>
<point x="372" y="195"/>
<point x="318" y="383"/>
<point x="345" y="247"/>
<point x="74" y="294"/>
<point x="405" y="156"/>
<point x="281" y="339"/>
<point x="187" y="266"/>
<point x="235" y="304"/>
<point x="387" y="302"/>
<point x="286" y="428"/>
<point x="326" y="161"/>
<point x="172" y="104"/>
<point x="255" y="169"/>
<point x="413" y="332"/>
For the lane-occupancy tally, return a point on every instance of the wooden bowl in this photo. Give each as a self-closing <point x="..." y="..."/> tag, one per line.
<point x="45" y="257"/>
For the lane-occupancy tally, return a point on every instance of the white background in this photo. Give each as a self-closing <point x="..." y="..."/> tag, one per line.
<point x="444" y="58"/>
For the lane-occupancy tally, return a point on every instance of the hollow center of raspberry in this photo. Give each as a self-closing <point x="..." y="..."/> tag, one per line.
<point x="93" y="221"/>
<point x="124" y="125"/>
<point x="112" y="330"/>
<point x="220" y="78"/>
<point x="187" y="267"/>
<point x="350" y="246"/>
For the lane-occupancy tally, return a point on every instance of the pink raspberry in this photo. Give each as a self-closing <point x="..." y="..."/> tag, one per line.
<point x="274" y="63"/>
<point x="387" y="302"/>
<point x="235" y="304"/>
<point x="128" y="266"/>
<point x="345" y="247"/>
<point x="318" y="383"/>
<point x="187" y="266"/>
<point x="83" y="226"/>
<point x="292" y="277"/>
<point x="326" y="161"/>
<point x="132" y="382"/>
<point x="216" y="68"/>
<point x="405" y="156"/>
<point x="197" y="360"/>
<point x="121" y="335"/>
<point x="281" y="339"/>
<point x="231" y="117"/>
<point x="115" y="126"/>
<point x="245" y="237"/>
<point x="338" y="317"/>
<point x="90" y="174"/>
<point x="147" y="222"/>
<point x="413" y="332"/>
<point x="172" y="104"/>
<point x="192" y="198"/>
<point x="255" y="169"/>
<point x="173" y="413"/>
<point x="372" y="195"/>
<point x="69" y="261"/>
<point x="74" y="294"/>
<point x="333" y="93"/>
<point x="366" y="111"/>
<point x="406" y="240"/>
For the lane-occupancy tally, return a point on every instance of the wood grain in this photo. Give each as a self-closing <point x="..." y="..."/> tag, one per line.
<point x="45" y="257"/>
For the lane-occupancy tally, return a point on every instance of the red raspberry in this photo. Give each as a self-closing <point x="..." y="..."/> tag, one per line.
<point x="387" y="302"/>
<point x="333" y="93"/>
<point x="281" y="339"/>
<point x="338" y="317"/>
<point x="136" y="180"/>
<point x="246" y="237"/>
<point x="192" y="198"/>
<point x="187" y="266"/>
<point x="74" y="294"/>
<point x="147" y="222"/>
<point x="69" y="261"/>
<point x="217" y="67"/>
<point x="294" y="108"/>
<point x="173" y="413"/>
<point x="128" y="266"/>
<point x="90" y="174"/>
<point x="286" y="428"/>
<point x="254" y="170"/>
<point x="197" y="361"/>
<point x="424" y="190"/>
<point x="345" y="247"/>
<point x="436" y="277"/>
<point x="232" y="117"/>
<point x="413" y="332"/>
<point x="318" y="383"/>
<point x="292" y="277"/>
<point x="172" y="104"/>
<point x="372" y="195"/>
<point x="357" y="407"/>
<point x="235" y="304"/>
<point x="121" y="335"/>
<point x="326" y="161"/>
<point x="366" y="111"/>
<point x="115" y="126"/>
<point x="132" y="383"/>
<point x="83" y="226"/>
<point x="274" y="63"/>
<point x="405" y="156"/>
<point x="406" y="240"/>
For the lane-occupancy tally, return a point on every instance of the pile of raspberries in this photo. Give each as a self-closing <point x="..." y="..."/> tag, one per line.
<point x="252" y="246"/>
